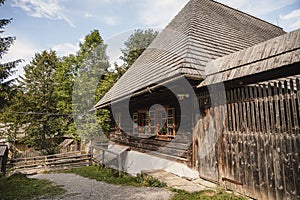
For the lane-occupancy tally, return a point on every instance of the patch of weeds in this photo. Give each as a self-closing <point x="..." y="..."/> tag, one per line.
<point x="112" y="176"/>
<point x="205" y="195"/>
<point x="18" y="186"/>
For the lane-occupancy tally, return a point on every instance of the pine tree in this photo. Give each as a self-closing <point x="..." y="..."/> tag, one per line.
<point x="39" y="102"/>
<point x="6" y="69"/>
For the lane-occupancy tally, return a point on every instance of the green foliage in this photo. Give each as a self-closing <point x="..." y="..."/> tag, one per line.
<point x="55" y="96"/>
<point x="92" y="65"/>
<point x="112" y="176"/>
<point x="18" y="186"/>
<point x="205" y="195"/>
<point x="136" y="45"/>
<point x="39" y="101"/>
<point x="6" y="69"/>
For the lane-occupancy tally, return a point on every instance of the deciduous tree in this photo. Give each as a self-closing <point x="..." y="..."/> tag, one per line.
<point x="136" y="44"/>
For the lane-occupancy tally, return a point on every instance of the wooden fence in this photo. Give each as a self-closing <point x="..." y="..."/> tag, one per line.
<point x="258" y="149"/>
<point x="38" y="164"/>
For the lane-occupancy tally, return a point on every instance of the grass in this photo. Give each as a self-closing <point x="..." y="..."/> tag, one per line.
<point x="205" y="195"/>
<point x="111" y="176"/>
<point x="18" y="186"/>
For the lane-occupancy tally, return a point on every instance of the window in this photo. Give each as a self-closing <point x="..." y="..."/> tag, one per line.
<point x="159" y="122"/>
<point x="118" y="121"/>
<point x="143" y="122"/>
<point x="171" y="122"/>
<point x="135" y="123"/>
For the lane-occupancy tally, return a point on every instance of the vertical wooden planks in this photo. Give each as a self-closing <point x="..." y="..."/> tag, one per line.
<point x="231" y="139"/>
<point x="245" y="179"/>
<point x="291" y="146"/>
<point x="258" y="178"/>
<point x="236" y="156"/>
<point x="249" y="141"/>
<point x="272" y="147"/>
<point x="277" y="159"/>
<point x="268" y="144"/>
<point x="293" y="97"/>
<point x="261" y="144"/>
<point x="271" y="108"/>
<point x="283" y="138"/>
<point x="297" y="140"/>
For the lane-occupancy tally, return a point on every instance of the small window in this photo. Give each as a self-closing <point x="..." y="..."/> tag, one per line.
<point x="135" y="123"/>
<point x="118" y="122"/>
<point x="143" y="122"/>
<point x="159" y="122"/>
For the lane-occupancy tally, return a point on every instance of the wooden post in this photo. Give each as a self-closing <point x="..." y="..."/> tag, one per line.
<point x="120" y="164"/>
<point x="103" y="156"/>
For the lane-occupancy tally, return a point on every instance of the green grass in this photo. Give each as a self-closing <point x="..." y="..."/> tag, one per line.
<point x="112" y="176"/>
<point x="205" y="195"/>
<point x="18" y="186"/>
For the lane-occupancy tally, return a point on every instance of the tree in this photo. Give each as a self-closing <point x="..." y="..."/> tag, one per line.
<point x="92" y="65"/>
<point x="6" y="69"/>
<point x="64" y="77"/>
<point x="39" y="101"/>
<point x="136" y="45"/>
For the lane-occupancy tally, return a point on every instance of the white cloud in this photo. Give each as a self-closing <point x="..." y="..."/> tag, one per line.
<point x="292" y="15"/>
<point x="110" y="20"/>
<point x="234" y="3"/>
<point x="65" y="49"/>
<point x="258" y="7"/>
<point x="50" y="9"/>
<point x="21" y="49"/>
<point x="88" y="15"/>
<point x="292" y="19"/>
<point x="157" y="13"/>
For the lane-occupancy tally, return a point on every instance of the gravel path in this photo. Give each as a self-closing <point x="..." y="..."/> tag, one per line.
<point x="79" y="187"/>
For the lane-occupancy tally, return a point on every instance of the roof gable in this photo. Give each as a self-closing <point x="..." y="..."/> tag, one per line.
<point x="275" y="53"/>
<point x="202" y="31"/>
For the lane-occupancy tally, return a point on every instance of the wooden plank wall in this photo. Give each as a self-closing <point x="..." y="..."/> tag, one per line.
<point x="259" y="146"/>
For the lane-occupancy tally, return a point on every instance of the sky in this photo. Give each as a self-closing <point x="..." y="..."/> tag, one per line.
<point x="61" y="24"/>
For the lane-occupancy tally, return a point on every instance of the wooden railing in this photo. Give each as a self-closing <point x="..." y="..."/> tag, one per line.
<point x="50" y="162"/>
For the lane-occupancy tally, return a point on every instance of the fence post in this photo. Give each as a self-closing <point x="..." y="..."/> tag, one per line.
<point x="103" y="155"/>
<point x="120" y="164"/>
<point x="92" y="155"/>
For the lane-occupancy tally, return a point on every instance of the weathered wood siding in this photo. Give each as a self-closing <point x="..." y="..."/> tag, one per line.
<point x="178" y="149"/>
<point x="258" y="148"/>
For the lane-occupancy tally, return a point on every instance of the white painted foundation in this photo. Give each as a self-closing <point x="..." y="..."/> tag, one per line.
<point x="137" y="162"/>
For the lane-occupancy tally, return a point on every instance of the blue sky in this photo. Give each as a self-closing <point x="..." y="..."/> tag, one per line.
<point x="61" y="24"/>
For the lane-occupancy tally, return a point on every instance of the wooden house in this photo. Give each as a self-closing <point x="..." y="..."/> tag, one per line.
<point x="246" y="70"/>
<point x="256" y="119"/>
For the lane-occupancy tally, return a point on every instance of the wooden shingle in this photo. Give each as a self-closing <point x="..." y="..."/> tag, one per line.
<point x="275" y="53"/>
<point x="202" y="31"/>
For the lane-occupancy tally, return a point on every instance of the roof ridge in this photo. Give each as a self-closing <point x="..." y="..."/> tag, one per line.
<point x="222" y="4"/>
<point x="191" y="39"/>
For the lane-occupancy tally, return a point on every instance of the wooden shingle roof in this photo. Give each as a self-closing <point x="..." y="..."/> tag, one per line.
<point x="202" y="31"/>
<point x="275" y="53"/>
